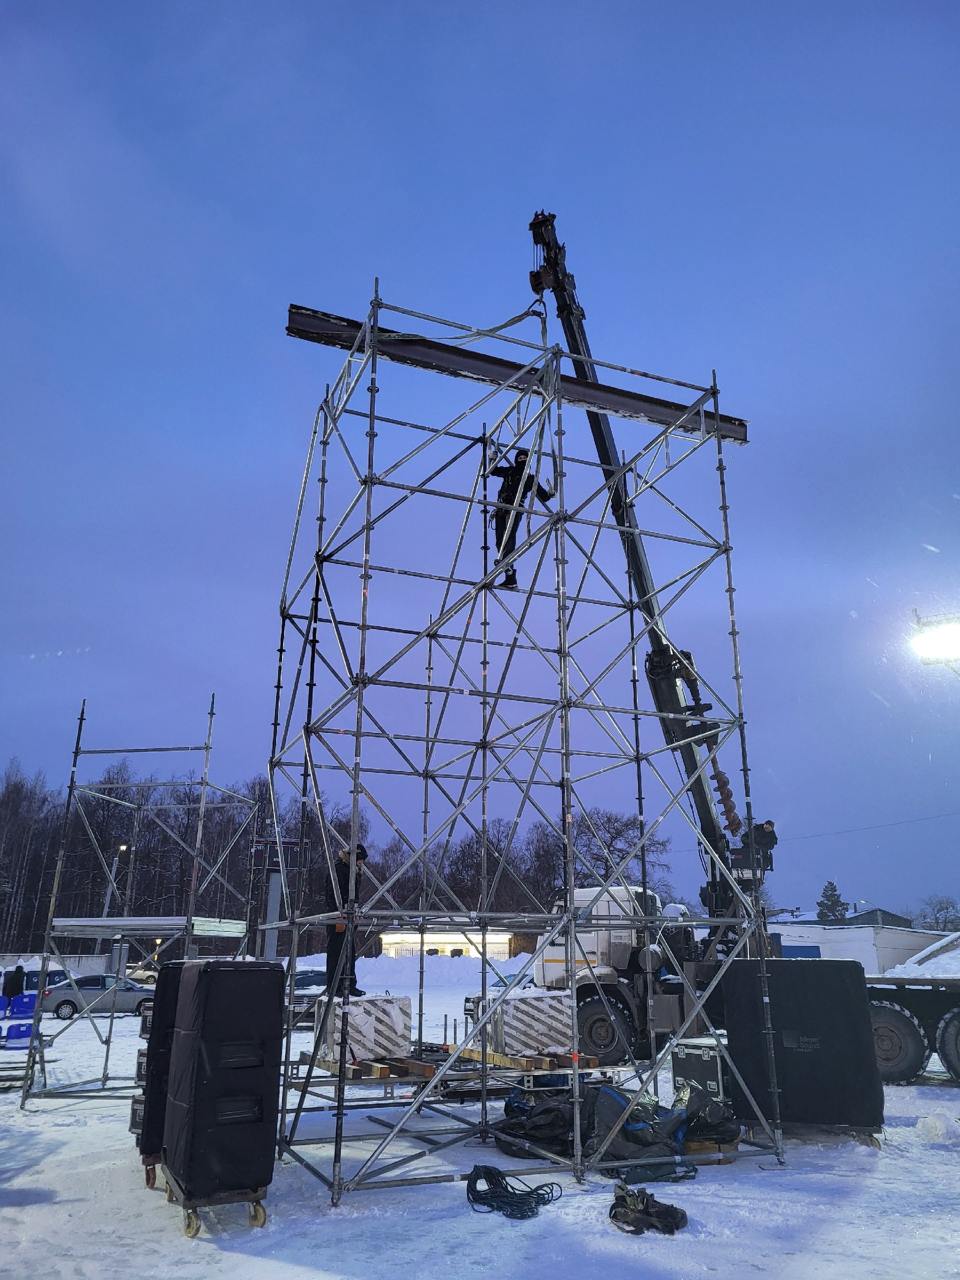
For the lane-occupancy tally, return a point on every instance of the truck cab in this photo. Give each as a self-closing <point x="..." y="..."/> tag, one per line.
<point x="620" y="1013"/>
<point x="610" y="951"/>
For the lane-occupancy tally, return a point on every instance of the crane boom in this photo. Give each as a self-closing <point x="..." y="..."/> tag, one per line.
<point x="670" y="671"/>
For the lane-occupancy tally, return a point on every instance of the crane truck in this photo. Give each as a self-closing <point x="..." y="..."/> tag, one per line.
<point x="628" y="988"/>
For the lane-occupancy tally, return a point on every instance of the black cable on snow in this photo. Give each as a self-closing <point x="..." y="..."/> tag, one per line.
<point x="489" y="1190"/>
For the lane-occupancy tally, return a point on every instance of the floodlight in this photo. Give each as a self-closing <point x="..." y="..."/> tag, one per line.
<point x="937" y="640"/>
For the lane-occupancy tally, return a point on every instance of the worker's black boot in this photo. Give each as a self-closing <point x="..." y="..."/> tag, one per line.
<point x="509" y="582"/>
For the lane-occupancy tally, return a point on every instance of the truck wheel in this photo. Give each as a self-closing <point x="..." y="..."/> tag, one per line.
<point x="606" y="1036"/>
<point x="948" y="1042"/>
<point x="898" y="1041"/>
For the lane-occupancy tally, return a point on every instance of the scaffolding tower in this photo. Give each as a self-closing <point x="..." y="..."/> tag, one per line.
<point x="216" y="905"/>
<point x="453" y="712"/>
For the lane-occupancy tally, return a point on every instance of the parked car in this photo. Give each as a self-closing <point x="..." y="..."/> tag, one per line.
<point x="308" y="986"/>
<point x="143" y="971"/>
<point x="471" y="1004"/>
<point x="95" y="992"/>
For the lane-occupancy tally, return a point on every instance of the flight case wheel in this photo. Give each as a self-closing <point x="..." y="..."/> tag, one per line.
<point x="191" y="1223"/>
<point x="258" y="1214"/>
<point x="150" y="1175"/>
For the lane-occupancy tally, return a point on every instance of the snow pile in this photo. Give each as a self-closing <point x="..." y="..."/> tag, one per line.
<point x="939" y="1129"/>
<point x="29" y="963"/>
<point x="446" y="981"/>
<point x="458" y="972"/>
<point x="401" y="973"/>
<point x="940" y="960"/>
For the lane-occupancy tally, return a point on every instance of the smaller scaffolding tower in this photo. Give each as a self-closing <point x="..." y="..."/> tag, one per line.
<point x="181" y="809"/>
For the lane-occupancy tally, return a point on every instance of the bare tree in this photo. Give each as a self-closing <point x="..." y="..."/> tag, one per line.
<point x="940" y="911"/>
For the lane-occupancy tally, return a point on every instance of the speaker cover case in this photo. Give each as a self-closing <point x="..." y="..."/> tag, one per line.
<point x="162" y="1017"/>
<point x="823" y="1042"/>
<point x="223" y="1093"/>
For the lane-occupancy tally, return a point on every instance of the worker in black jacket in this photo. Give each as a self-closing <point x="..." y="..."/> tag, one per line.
<point x="514" y="491"/>
<point x="764" y="839"/>
<point x="337" y="932"/>
<point x="13" y="982"/>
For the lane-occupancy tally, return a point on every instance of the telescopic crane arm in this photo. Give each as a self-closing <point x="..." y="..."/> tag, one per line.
<point x="670" y="671"/>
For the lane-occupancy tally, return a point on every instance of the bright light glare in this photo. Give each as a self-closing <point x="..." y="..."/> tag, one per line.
<point x="938" y="643"/>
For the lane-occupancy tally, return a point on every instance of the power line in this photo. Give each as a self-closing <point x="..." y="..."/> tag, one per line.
<point x="878" y="826"/>
<point x="847" y="831"/>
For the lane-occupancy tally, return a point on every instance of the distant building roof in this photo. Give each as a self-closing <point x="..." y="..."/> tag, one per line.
<point x="878" y="915"/>
<point x="874" y="915"/>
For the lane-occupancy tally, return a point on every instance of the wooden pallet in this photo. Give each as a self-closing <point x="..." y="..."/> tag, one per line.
<point x="699" y="1147"/>
<point x="414" y="1067"/>
<point x="405" y="1069"/>
<point x="531" y="1062"/>
<point x="388" y="1070"/>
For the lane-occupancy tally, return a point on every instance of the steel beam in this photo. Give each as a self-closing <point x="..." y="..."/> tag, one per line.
<point x="460" y="362"/>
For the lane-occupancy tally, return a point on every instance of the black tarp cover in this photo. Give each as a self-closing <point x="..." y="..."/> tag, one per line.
<point x="223" y="1093"/>
<point x="823" y="1041"/>
<point x="159" y="1045"/>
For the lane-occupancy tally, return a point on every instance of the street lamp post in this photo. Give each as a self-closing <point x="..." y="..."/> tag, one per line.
<point x="122" y="848"/>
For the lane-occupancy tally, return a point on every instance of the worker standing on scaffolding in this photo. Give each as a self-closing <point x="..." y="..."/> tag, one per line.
<point x="516" y="483"/>
<point x="337" y="931"/>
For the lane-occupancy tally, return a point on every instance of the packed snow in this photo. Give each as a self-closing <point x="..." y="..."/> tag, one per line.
<point x="939" y="960"/>
<point x="73" y="1205"/>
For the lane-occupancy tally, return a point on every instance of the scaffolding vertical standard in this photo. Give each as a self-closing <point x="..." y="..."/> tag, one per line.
<point x="135" y="804"/>
<point x="418" y="693"/>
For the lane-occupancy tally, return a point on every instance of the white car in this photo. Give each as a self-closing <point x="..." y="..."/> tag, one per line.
<point x="145" y="971"/>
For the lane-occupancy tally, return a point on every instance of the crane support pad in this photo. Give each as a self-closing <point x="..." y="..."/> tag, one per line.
<point x="458" y="362"/>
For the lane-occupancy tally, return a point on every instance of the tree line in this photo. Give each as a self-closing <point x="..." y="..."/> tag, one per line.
<point x="144" y="830"/>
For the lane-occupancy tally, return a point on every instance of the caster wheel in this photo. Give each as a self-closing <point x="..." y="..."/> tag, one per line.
<point x="258" y="1214"/>
<point x="169" y="1193"/>
<point x="150" y="1175"/>
<point x="191" y="1223"/>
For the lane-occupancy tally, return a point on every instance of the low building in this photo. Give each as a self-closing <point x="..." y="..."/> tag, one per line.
<point x="877" y="947"/>
<point x="443" y="942"/>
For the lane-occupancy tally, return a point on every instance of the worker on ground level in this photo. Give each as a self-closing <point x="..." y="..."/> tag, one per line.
<point x="337" y="932"/>
<point x="13" y="982"/>
<point x="506" y="522"/>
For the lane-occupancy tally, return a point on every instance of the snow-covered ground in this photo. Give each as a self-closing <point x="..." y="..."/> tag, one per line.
<point x="73" y="1204"/>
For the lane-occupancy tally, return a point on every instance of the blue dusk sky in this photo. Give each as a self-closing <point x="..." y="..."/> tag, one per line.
<point x="767" y="189"/>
